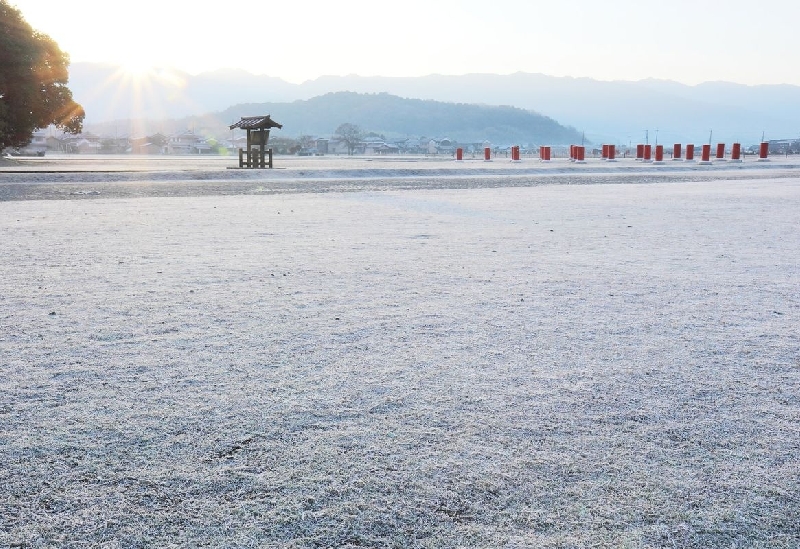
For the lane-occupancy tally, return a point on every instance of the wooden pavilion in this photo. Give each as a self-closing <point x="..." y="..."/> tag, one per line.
<point x="256" y="153"/>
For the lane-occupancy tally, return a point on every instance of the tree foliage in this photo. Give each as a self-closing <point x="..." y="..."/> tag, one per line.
<point x="33" y="78"/>
<point x="350" y="134"/>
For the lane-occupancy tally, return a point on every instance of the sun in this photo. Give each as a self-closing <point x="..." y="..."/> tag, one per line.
<point x="136" y="70"/>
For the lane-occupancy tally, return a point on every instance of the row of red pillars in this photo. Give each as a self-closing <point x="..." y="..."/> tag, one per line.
<point x="487" y="154"/>
<point x="577" y="153"/>
<point x="544" y="153"/>
<point x="609" y="152"/>
<point x="644" y="152"/>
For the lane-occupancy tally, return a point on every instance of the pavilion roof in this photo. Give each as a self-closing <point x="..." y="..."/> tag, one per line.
<point x="256" y="123"/>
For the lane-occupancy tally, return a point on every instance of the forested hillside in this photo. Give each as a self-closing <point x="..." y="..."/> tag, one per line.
<point x="395" y="116"/>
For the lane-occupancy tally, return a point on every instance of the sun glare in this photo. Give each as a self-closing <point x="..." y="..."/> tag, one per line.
<point x="136" y="70"/>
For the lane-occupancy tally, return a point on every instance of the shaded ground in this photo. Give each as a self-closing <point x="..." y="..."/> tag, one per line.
<point x="607" y="365"/>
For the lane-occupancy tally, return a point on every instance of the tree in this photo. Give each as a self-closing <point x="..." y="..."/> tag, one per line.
<point x="350" y="134"/>
<point x="33" y="78"/>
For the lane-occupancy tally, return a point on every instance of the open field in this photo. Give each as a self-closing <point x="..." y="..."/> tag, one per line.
<point x="347" y="353"/>
<point x="125" y="176"/>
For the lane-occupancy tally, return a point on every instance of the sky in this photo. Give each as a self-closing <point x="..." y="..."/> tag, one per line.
<point x="686" y="41"/>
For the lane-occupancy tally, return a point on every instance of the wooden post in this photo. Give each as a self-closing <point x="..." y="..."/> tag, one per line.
<point x="249" y="152"/>
<point x="261" y="147"/>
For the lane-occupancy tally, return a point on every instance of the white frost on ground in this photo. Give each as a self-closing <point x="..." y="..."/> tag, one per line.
<point x="547" y="366"/>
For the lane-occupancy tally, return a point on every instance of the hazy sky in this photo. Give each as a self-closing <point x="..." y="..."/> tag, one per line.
<point x="688" y="41"/>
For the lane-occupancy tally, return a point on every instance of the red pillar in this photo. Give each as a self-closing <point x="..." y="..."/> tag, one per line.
<point x="605" y="152"/>
<point x="459" y="154"/>
<point x="676" y="151"/>
<point x="639" y="151"/>
<point x="581" y="153"/>
<point x="659" y="153"/>
<point x="612" y="152"/>
<point x="690" y="152"/>
<point x="763" y="151"/>
<point x="736" y="152"/>
<point x="706" y="154"/>
<point x="487" y="153"/>
<point x="544" y="153"/>
<point x="720" y="151"/>
<point x="648" y="151"/>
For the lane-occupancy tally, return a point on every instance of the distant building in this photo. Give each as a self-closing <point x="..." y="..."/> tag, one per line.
<point x="146" y="145"/>
<point x="784" y="146"/>
<point x="82" y="143"/>
<point x="188" y="143"/>
<point x="337" y="146"/>
<point x="233" y="145"/>
<point x="55" y="144"/>
<point x="379" y="148"/>
<point x="442" y="146"/>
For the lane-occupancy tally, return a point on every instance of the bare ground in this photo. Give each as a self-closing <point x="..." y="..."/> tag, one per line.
<point x="519" y="365"/>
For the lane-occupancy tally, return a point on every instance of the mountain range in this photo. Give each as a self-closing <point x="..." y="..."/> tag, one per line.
<point x="605" y="111"/>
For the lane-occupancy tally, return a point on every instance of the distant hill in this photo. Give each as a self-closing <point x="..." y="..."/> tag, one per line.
<point x="395" y="116"/>
<point x="607" y="111"/>
<point x="618" y="111"/>
<point x="385" y="114"/>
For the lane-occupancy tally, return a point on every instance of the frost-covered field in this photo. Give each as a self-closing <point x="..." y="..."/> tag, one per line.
<point x="439" y="364"/>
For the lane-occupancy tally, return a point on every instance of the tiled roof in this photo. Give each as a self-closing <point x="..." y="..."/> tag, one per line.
<point x="256" y="123"/>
